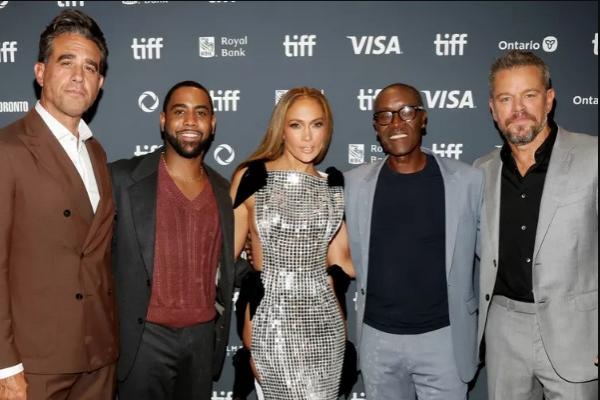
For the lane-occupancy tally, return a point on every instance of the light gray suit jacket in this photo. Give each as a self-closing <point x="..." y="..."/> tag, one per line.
<point x="463" y="187"/>
<point x="565" y="258"/>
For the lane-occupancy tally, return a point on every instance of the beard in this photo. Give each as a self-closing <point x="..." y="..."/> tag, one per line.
<point x="188" y="150"/>
<point x="525" y="135"/>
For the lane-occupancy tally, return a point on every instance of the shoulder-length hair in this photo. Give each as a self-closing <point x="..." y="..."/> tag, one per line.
<point x="271" y="147"/>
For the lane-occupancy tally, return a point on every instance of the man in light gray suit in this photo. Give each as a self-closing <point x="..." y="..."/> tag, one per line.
<point x="412" y="222"/>
<point x="538" y="244"/>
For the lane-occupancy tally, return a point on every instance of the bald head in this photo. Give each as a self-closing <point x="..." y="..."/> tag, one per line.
<point x="402" y="87"/>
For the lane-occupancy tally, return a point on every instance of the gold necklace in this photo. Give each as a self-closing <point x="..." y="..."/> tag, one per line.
<point x="181" y="177"/>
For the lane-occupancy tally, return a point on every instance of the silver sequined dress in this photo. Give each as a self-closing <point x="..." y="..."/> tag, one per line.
<point x="298" y="334"/>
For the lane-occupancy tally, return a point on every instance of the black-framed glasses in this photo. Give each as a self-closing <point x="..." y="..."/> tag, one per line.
<point x="406" y="113"/>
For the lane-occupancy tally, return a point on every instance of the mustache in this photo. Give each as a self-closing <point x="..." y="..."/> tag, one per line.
<point x="520" y="115"/>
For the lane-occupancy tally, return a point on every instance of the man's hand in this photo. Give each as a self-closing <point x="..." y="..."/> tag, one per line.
<point x="14" y="387"/>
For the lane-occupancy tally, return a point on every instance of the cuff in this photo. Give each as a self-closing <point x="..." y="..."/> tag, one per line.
<point x="10" y="371"/>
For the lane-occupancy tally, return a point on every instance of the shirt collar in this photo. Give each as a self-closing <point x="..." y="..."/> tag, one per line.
<point x="58" y="129"/>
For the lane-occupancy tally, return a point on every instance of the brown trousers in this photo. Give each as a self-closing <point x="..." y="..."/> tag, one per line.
<point x="95" y="385"/>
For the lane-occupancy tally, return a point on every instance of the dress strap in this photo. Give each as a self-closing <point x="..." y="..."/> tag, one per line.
<point x="254" y="178"/>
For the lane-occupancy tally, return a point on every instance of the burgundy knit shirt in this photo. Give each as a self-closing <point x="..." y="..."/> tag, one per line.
<point x="186" y="253"/>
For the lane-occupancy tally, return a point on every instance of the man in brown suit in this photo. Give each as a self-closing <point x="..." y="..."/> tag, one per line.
<point x="57" y="318"/>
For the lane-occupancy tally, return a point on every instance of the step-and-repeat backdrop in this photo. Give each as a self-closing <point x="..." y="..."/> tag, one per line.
<point x="249" y="53"/>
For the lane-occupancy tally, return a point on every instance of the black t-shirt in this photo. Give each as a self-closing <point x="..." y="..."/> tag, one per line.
<point x="406" y="288"/>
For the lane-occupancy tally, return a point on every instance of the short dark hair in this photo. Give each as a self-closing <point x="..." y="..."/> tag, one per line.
<point x="520" y="58"/>
<point x="405" y="86"/>
<point x="186" y="84"/>
<point x="73" y="21"/>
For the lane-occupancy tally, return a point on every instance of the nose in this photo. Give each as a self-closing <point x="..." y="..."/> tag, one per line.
<point x="307" y="134"/>
<point x="77" y="75"/>
<point x="190" y="119"/>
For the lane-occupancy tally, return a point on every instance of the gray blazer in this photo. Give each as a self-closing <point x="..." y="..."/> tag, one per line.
<point x="565" y="258"/>
<point x="463" y="186"/>
<point x="135" y="183"/>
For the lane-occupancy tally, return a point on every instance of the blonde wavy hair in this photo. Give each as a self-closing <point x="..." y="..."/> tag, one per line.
<point x="271" y="146"/>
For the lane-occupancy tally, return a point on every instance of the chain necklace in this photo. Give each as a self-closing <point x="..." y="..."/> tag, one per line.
<point x="181" y="177"/>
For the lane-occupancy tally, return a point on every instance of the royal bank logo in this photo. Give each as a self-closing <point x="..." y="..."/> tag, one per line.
<point x="450" y="99"/>
<point x="595" y="43"/>
<point x="227" y="46"/>
<point x="225" y="100"/>
<point x="8" y="51"/>
<point x="585" y="101"/>
<point x="450" y="44"/>
<point x="549" y="44"/>
<point x="224" y="154"/>
<point x="143" y="149"/>
<point x="147" y="48"/>
<point x="356" y="154"/>
<point x="70" y="4"/>
<point x="3" y="4"/>
<point x="299" y="45"/>
<point x="14" y="106"/>
<point x="366" y="97"/>
<point x="148" y="101"/>
<point x="448" y="150"/>
<point x="375" y="45"/>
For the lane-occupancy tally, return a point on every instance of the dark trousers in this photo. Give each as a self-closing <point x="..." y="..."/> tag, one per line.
<point x="172" y="364"/>
<point x="95" y="385"/>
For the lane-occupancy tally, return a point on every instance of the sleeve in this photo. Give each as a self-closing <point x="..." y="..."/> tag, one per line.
<point x="9" y="356"/>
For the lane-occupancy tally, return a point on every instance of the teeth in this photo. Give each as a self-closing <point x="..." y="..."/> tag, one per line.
<point x="399" y="136"/>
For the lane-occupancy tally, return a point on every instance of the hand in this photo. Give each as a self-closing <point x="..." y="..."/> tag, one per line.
<point x="14" y="387"/>
<point x="596" y="361"/>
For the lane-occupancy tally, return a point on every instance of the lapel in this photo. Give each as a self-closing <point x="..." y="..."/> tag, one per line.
<point x="491" y="203"/>
<point x="46" y="149"/>
<point x="365" y="198"/>
<point x="453" y="201"/>
<point x="142" y="195"/>
<point x="556" y="182"/>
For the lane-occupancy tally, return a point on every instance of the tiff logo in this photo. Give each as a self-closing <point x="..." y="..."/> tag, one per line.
<point x="63" y="4"/>
<point x="299" y="45"/>
<point x="450" y="150"/>
<point x="595" y="42"/>
<point x="7" y="51"/>
<point x="147" y="49"/>
<point x="225" y="100"/>
<point x="366" y="97"/>
<point x="450" y="45"/>
<point x="376" y="45"/>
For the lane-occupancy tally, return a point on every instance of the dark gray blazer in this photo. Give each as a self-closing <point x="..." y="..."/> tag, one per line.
<point x="463" y="186"/>
<point x="134" y="187"/>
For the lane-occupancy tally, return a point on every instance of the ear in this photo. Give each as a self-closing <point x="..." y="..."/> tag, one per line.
<point x="38" y="71"/>
<point x="213" y="123"/>
<point x="425" y="118"/>
<point x="162" y="121"/>
<point x="491" y="105"/>
<point x="550" y="95"/>
<point x="101" y="82"/>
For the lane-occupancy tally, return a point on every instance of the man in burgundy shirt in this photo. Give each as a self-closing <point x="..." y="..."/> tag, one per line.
<point x="173" y="241"/>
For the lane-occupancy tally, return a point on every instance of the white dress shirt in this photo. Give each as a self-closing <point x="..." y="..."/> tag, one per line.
<point x="78" y="154"/>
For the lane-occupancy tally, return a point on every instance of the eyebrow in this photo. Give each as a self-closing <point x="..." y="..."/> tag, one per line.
<point x="181" y="105"/>
<point x="69" y="56"/>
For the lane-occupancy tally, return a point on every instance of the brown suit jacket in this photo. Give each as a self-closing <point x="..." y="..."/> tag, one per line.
<point x="57" y="312"/>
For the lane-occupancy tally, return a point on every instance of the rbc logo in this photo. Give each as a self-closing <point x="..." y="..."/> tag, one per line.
<point x="356" y="154"/>
<point x="7" y="52"/>
<point x="299" y="45"/>
<point x="450" y="45"/>
<point x="225" y="100"/>
<point x="448" y="98"/>
<point x="450" y="150"/>
<point x="3" y="4"/>
<point x="207" y="46"/>
<point x="146" y="48"/>
<point x="376" y="45"/>
<point x="153" y="101"/>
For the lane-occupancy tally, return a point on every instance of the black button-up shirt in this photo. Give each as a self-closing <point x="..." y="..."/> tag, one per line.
<point x="519" y="211"/>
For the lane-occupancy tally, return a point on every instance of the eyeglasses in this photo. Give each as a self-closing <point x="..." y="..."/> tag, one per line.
<point x="406" y="113"/>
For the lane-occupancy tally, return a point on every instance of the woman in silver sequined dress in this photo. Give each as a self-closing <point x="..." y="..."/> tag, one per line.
<point x="293" y="215"/>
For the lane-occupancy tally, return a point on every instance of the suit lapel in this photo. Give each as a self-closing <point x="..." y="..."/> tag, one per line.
<point x="556" y="182"/>
<point x="142" y="196"/>
<point x="491" y="209"/>
<point x="366" y="196"/>
<point x="47" y="150"/>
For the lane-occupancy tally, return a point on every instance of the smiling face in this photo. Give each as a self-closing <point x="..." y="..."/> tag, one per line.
<point x="400" y="138"/>
<point x="70" y="78"/>
<point x="305" y="131"/>
<point x="188" y="124"/>
<point x="520" y="103"/>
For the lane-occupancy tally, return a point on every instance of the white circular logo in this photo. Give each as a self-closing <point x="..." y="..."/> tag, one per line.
<point x="154" y="99"/>
<point x="3" y="4"/>
<point x="224" y="154"/>
<point x="550" y="44"/>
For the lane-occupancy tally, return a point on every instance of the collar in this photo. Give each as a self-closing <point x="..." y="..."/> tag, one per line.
<point x="58" y="129"/>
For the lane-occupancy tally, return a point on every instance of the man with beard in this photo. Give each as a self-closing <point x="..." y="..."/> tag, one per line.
<point x="173" y="241"/>
<point x="538" y="244"/>
<point x="412" y="221"/>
